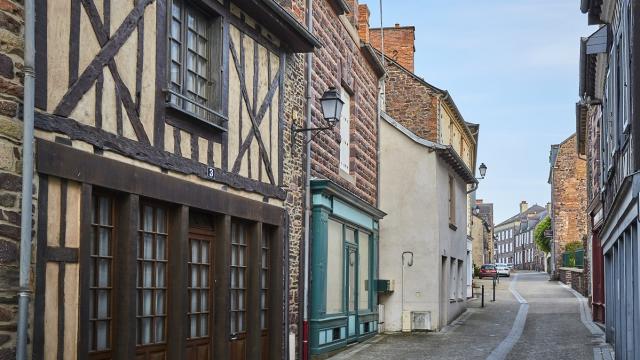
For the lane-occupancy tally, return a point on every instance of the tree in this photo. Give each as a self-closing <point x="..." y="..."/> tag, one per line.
<point x="542" y="242"/>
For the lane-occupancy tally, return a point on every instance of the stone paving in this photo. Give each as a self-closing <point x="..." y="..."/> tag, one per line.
<point x="552" y="330"/>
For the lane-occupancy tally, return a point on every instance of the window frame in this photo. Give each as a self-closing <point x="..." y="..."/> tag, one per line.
<point x="216" y="119"/>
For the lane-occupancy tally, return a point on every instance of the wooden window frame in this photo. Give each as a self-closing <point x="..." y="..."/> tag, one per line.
<point x="154" y="288"/>
<point x="452" y="203"/>
<point x="214" y="118"/>
<point x="95" y="353"/>
<point x="233" y="309"/>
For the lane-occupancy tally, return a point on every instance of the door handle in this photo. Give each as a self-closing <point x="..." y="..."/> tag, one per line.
<point x="233" y="337"/>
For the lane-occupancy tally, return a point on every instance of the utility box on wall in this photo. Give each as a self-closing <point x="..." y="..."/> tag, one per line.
<point x="385" y="286"/>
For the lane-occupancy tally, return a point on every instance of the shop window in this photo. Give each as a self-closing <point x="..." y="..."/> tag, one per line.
<point x="335" y="266"/>
<point x="363" y="248"/>
<point x="264" y="279"/>
<point x="238" y="290"/>
<point x="101" y="274"/>
<point x="152" y="276"/>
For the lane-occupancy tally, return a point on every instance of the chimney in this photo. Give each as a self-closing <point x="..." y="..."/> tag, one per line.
<point x="548" y="209"/>
<point x="363" y="22"/>
<point x="399" y="44"/>
<point x="523" y="206"/>
<point x="479" y="201"/>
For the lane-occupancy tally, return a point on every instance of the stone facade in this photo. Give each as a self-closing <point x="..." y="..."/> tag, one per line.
<point x="568" y="199"/>
<point x="294" y="178"/>
<point x="341" y="63"/>
<point x="411" y="101"/>
<point x="399" y="44"/>
<point x="486" y="214"/>
<point x="11" y="92"/>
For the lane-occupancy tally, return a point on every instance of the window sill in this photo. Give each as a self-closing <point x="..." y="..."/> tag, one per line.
<point x="187" y="120"/>
<point x="453" y="227"/>
<point x="345" y="175"/>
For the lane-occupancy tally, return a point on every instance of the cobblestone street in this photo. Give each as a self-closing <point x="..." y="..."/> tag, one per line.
<point x="545" y="323"/>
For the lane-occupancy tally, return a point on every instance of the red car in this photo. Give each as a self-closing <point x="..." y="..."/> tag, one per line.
<point x="488" y="270"/>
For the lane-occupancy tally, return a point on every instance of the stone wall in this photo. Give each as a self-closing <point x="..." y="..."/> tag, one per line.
<point x="575" y="278"/>
<point x="569" y="199"/>
<point x="411" y="102"/>
<point x="11" y="94"/>
<point x="295" y="181"/>
<point x="340" y="62"/>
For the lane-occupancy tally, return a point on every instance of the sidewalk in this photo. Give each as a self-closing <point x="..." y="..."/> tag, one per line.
<point x="472" y="336"/>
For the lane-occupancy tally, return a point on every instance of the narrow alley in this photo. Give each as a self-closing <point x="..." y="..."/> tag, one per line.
<point x="547" y="322"/>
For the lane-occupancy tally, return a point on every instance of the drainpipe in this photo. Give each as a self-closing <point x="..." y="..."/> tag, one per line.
<point x="307" y="192"/>
<point x="27" y="181"/>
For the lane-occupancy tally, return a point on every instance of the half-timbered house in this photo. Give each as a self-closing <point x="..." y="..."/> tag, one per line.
<point x="163" y="179"/>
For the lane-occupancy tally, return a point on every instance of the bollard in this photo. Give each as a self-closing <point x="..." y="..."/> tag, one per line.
<point x="482" y="297"/>
<point x="494" y="290"/>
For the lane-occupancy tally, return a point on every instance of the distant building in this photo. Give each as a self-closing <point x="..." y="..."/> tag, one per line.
<point x="505" y="233"/>
<point x="527" y="255"/>
<point x="485" y="212"/>
<point x="567" y="177"/>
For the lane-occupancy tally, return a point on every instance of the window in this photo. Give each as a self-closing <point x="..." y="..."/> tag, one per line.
<point x="152" y="276"/>
<point x="345" y="131"/>
<point x="335" y="266"/>
<point x="192" y="61"/>
<point x="238" y="291"/>
<point x="363" y="248"/>
<point x="452" y="278"/>
<point x="452" y="201"/>
<point x="264" y="279"/>
<point x="101" y="274"/>
<point x="460" y="279"/>
<point x="199" y="288"/>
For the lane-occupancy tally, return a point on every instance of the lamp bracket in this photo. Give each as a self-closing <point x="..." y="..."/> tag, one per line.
<point x="295" y="130"/>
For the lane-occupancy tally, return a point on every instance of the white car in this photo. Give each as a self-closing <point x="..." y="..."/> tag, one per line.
<point x="503" y="270"/>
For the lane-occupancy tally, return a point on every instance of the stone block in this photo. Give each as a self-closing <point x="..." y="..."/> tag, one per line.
<point x="8" y="252"/>
<point x="10" y="128"/>
<point x="6" y="66"/>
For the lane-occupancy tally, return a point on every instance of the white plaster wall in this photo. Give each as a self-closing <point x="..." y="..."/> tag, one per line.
<point x="453" y="243"/>
<point x="407" y="193"/>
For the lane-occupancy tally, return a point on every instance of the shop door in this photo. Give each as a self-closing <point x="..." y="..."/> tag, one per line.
<point x="200" y="294"/>
<point x="352" y="292"/>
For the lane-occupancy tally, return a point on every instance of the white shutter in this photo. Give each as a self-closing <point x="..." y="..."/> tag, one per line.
<point x="345" y="130"/>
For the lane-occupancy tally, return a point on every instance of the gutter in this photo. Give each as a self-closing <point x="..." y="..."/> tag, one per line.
<point x="24" y="293"/>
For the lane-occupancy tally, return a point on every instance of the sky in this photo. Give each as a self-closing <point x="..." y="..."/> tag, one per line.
<point x="512" y="67"/>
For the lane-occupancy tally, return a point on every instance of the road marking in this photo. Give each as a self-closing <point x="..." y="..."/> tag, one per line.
<point x="504" y="348"/>
<point x="601" y="349"/>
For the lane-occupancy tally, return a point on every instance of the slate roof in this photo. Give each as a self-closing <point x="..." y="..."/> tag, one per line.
<point x="535" y="209"/>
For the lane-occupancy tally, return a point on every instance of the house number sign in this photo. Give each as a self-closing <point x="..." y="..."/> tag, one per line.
<point x="210" y="173"/>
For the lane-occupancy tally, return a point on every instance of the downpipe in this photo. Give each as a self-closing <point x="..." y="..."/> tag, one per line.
<point x="307" y="191"/>
<point x="24" y="293"/>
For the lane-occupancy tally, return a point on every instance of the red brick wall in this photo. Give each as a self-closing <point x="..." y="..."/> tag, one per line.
<point x="398" y="44"/>
<point x="569" y="198"/>
<point x="340" y="61"/>
<point x="412" y="103"/>
<point x="363" y="22"/>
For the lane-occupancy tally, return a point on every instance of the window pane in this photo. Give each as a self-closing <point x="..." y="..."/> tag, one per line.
<point x="238" y="273"/>
<point x="335" y="267"/>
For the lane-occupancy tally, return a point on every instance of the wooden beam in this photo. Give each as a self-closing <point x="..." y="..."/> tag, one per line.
<point x="177" y="292"/>
<point x="69" y="163"/>
<point x="256" y="126"/>
<point x="149" y="154"/>
<point x="125" y="275"/>
<point x="221" y="344"/>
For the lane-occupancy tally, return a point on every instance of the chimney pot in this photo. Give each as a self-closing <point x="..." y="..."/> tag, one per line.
<point x="523" y="206"/>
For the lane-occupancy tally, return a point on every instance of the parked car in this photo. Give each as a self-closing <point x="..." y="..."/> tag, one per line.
<point x="488" y="270"/>
<point x="503" y="270"/>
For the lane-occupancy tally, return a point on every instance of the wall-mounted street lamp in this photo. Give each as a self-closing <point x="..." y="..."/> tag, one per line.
<point x="483" y="172"/>
<point x="331" y="105"/>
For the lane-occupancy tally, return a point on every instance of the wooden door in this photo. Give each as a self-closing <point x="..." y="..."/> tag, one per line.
<point x="200" y="294"/>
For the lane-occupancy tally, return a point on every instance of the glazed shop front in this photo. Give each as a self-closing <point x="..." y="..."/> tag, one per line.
<point x="344" y="265"/>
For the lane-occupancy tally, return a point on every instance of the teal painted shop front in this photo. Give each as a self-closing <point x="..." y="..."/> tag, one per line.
<point x="344" y="267"/>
